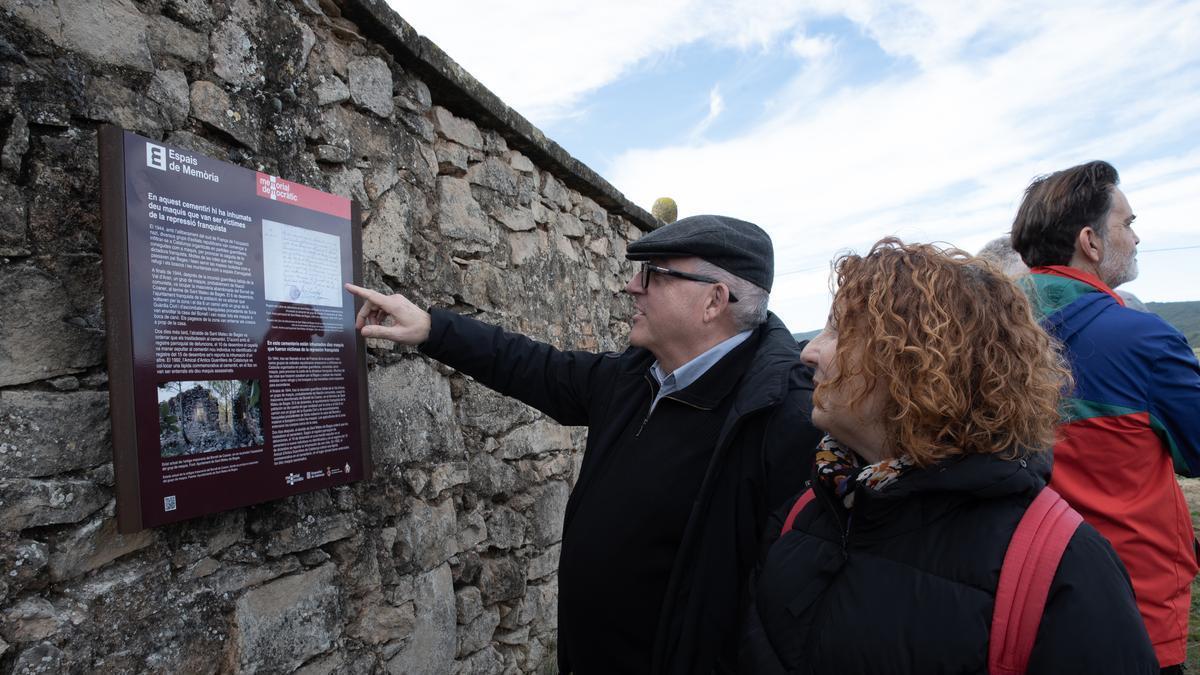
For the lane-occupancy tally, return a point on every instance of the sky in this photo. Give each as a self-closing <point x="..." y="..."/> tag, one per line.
<point x="834" y="123"/>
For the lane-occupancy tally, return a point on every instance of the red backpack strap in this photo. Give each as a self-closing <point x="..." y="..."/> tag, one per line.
<point x="802" y="501"/>
<point x="1030" y="564"/>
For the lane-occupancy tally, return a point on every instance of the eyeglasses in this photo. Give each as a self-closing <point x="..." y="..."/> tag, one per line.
<point x="648" y="269"/>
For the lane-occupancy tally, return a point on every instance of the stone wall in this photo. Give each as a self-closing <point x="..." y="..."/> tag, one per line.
<point x="446" y="560"/>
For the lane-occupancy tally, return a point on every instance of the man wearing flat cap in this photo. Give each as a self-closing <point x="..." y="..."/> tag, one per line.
<point x="696" y="433"/>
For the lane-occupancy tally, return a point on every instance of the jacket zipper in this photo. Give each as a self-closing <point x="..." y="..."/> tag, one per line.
<point x="650" y="411"/>
<point x="652" y="407"/>
<point x="843" y="529"/>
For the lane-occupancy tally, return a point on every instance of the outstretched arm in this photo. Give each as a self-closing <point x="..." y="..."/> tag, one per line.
<point x="555" y="382"/>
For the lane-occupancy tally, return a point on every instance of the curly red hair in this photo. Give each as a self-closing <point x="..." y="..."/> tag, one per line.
<point x="966" y="367"/>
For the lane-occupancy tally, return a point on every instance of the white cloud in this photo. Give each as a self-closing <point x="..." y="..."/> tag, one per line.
<point x="993" y="93"/>
<point x="543" y="56"/>
<point x="716" y="106"/>
<point x="811" y="48"/>
<point x="944" y="153"/>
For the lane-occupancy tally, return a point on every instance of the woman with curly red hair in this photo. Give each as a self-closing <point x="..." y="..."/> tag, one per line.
<point x="939" y="394"/>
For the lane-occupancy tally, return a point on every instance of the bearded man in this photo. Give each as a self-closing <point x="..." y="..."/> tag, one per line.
<point x="1133" y="419"/>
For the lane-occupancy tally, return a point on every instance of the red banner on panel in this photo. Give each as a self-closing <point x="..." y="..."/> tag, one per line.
<point x="278" y="189"/>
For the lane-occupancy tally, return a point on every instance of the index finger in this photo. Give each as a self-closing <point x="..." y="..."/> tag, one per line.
<point x="371" y="302"/>
<point x="364" y="293"/>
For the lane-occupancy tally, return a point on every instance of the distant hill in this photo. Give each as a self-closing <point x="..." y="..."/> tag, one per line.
<point x="1183" y="315"/>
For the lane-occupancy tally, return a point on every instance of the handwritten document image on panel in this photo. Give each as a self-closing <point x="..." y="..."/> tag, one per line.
<point x="301" y="266"/>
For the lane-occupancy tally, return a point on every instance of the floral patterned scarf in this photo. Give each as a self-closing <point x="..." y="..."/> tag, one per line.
<point x="841" y="469"/>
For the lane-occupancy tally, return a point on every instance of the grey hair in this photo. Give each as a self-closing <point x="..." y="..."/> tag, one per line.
<point x="751" y="308"/>
<point x="1000" y="253"/>
<point x="1132" y="301"/>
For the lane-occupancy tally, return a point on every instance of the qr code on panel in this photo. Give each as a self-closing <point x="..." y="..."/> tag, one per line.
<point x="169" y="503"/>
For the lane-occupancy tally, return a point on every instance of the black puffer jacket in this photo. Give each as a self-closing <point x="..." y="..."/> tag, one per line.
<point x="905" y="582"/>
<point x="758" y="460"/>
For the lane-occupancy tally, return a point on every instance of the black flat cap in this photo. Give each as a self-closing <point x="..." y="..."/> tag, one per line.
<point x="740" y="248"/>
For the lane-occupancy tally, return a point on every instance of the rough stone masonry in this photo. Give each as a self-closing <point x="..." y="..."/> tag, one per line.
<point x="445" y="561"/>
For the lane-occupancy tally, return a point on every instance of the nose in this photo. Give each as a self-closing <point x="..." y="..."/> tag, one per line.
<point x="809" y="355"/>
<point x="634" y="285"/>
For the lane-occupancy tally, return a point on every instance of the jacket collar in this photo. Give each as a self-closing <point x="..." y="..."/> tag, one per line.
<point x="776" y="355"/>
<point x="980" y="475"/>
<point x="1068" y="272"/>
<point x="769" y="376"/>
<point x="693" y="370"/>
<point x="708" y="390"/>
<point x="902" y="505"/>
<point x="1066" y="305"/>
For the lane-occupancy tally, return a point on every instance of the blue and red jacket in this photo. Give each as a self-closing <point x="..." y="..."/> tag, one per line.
<point x="1131" y="424"/>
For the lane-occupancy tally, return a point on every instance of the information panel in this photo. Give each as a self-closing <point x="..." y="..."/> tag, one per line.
<point x="235" y="372"/>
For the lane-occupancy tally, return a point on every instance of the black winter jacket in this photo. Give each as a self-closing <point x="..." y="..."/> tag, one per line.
<point x="761" y="458"/>
<point x="905" y="582"/>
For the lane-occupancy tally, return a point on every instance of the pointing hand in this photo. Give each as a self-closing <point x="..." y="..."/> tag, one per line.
<point x="391" y="317"/>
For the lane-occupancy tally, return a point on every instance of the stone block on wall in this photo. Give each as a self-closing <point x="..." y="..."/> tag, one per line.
<point x="169" y="89"/>
<point x="37" y="337"/>
<point x="233" y="57"/>
<point x="109" y="101"/>
<point x="44" y="433"/>
<point x="207" y="536"/>
<point x="528" y="247"/>
<point x="461" y="131"/>
<point x="30" y="620"/>
<point x="195" y="13"/>
<point x="94" y="545"/>
<point x="168" y="39"/>
<point x="310" y="532"/>
<point x="426" y="537"/>
<point x="370" y="82"/>
<point x="472" y="530"/>
<point x="22" y="564"/>
<point x="34" y="503"/>
<point x="331" y="89"/>
<point x="506" y="528"/>
<point x="545" y="564"/>
<point x="410" y="403"/>
<point x="477" y="633"/>
<point x="434" y="642"/>
<point x="501" y="579"/>
<point x="496" y="175"/>
<point x="211" y="105"/>
<point x="282" y="624"/>
<point x="549" y="503"/>
<point x="380" y="623"/>
<point x="538" y="437"/>
<point x="387" y="234"/>
<point x="14" y="233"/>
<point x="492" y="477"/>
<point x="460" y="217"/>
<point x="233" y="576"/>
<point x="492" y="413"/>
<point x="111" y="32"/>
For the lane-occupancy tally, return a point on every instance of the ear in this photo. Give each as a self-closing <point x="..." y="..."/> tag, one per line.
<point x="716" y="301"/>
<point x="1089" y="245"/>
